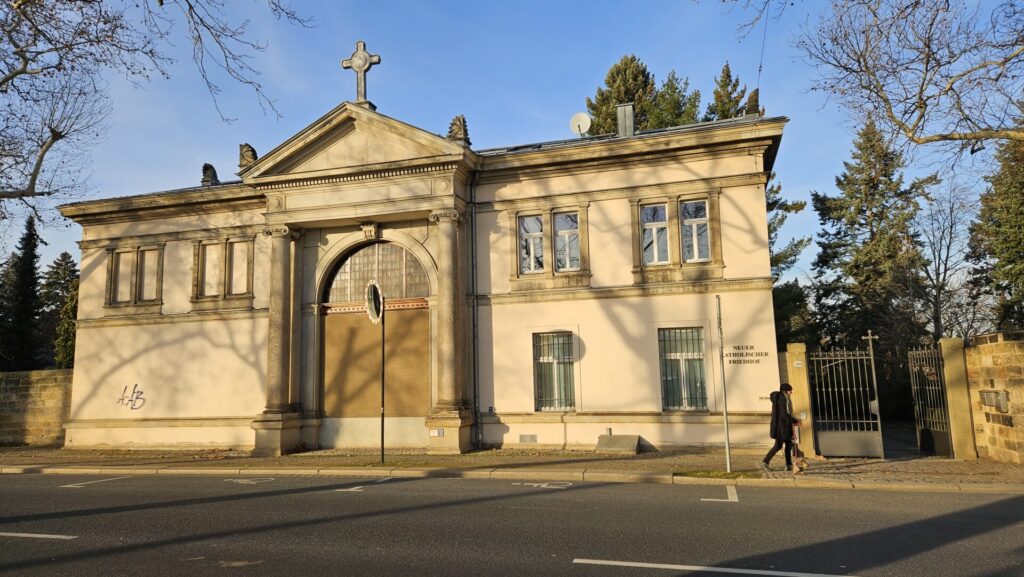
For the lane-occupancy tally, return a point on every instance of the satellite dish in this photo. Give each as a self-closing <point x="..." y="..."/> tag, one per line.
<point x="579" y="123"/>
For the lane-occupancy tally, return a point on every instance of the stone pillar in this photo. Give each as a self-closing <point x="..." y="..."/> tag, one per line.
<point x="448" y="309"/>
<point x="277" y="429"/>
<point x="796" y="365"/>
<point x="449" y="421"/>
<point x="958" y="399"/>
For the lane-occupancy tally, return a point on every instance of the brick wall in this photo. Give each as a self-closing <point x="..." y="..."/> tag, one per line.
<point x="34" y="406"/>
<point x="995" y="362"/>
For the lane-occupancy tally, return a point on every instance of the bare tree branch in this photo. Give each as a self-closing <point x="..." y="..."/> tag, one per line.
<point x="928" y="71"/>
<point x="53" y="54"/>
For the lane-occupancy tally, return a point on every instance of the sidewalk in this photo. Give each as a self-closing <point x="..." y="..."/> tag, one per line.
<point x="690" y="465"/>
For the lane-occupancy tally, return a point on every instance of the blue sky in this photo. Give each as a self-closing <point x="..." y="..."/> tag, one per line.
<point x="517" y="71"/>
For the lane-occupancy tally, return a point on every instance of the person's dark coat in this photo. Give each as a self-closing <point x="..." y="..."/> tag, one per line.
<point x="782" y="423"/>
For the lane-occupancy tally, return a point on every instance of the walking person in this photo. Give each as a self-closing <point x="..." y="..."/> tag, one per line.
<point x="781" y="427"/>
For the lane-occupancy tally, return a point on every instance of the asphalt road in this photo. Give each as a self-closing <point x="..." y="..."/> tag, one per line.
<point x="53" y="525"/>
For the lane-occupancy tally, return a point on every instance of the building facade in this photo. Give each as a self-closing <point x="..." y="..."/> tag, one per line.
<point x="537" y="295"/>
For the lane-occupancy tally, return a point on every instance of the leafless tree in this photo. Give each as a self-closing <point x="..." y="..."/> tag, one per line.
<point x="950" y="304"/>
<point x="53" y="54"/>
<point x="928" y="71"/>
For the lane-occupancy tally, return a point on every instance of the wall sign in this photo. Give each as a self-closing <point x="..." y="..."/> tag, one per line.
<point x="745" y="355"/>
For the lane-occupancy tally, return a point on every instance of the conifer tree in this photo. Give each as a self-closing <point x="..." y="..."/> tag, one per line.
<point x="19" y="304"/>
<point x="727" y="97"/>
<point x="782" y="258"/>
<point x="674" y="104"/>
<point x="58" y="283"/>
<point x="867" y="267"/>
<point x="64" y="345"/>
<point x="997" y="237"/>
<point x="628" y="80"/>
<point x="790" y="300"/>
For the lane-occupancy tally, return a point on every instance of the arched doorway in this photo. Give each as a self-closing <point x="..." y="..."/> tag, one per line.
<point x="352" y="349"/>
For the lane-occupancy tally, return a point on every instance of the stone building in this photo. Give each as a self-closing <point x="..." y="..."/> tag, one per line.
<point x="534" y="295"/>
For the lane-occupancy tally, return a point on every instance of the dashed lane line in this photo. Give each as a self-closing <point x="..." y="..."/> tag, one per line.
<point x="730" y="490"/>
<point x="701" y="568"/>
<point x="80" y="485"/>
<point x="38" y="536"/>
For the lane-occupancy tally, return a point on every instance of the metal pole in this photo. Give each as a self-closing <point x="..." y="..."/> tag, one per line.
<point x="382" y="379"/>
<point x="725" y="401"/>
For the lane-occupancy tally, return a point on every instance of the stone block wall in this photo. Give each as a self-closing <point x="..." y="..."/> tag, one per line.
<point x="34" y="406"/>
<point x="995" y="362"/>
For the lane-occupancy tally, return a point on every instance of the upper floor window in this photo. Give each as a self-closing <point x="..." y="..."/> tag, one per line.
<point x="223" y="273"/>
<point x="693" y="218"/>
<point x="654" y="233"/>
<point x="567" y="241"/>
<point x="134" y="278"/>
<point x="531" y="244"/>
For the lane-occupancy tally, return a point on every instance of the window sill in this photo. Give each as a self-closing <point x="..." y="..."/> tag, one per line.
<point x="132" y="309"/>
<point x="558" y="280"/>
<point x="687" y="272"/>
<point x="222" y="303"/>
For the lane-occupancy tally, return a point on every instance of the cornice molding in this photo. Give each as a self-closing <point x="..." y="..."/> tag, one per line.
<point x="680" y="189"/>
<point x="357" y="174"/>
<point x="191" y="317"/>
<point x="647" y="290"/>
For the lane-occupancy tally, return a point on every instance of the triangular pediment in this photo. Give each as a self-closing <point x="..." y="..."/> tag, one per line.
<point x="349" y="139"/>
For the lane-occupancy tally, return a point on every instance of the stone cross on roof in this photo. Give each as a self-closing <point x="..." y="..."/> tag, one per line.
<point x="361" y="61"/>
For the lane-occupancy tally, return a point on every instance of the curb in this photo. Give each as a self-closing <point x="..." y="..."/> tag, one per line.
<point x="597" y="476"/>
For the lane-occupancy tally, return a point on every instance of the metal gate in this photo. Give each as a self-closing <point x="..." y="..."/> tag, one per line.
<point x="931" y="413"/>
<point x="844" y="401"/>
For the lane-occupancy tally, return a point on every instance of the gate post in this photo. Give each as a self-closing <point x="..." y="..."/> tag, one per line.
<point x="796" y="365"/>
<point x="958" y="399"/>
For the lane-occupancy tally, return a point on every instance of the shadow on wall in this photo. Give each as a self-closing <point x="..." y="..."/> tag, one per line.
<point x="33" y="407"/>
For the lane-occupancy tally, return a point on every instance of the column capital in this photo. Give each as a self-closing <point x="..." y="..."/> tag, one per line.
<point x="280" y="230"/>
<point x="448" y="214"/>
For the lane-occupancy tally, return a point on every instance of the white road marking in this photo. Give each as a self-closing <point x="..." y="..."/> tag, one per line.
<point x="731" y="491"/>
<point x="384" y="480"/>
<point x="548" y="485"/>
<point x="255" y="481"/>
<point x="80" y="485"/>
<point x="38" y="536"/>
<point x="352" y="490"/>
<point x="701" y="568"/>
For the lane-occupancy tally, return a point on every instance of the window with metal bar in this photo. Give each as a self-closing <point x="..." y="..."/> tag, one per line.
<point x="553" y="371"/>
<point x="654" y="233"/>
<point x="683" y="385"/>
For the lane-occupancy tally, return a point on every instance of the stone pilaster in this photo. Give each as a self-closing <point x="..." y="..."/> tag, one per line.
<point x="277" y="429"/>
<point x="449" y="421"/>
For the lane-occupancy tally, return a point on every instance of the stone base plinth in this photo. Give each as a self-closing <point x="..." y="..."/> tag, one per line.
<point x="450" y="432"/>
<point x="277" y="434"/>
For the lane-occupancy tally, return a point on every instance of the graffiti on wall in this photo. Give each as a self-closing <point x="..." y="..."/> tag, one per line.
<point x="131" y="400"/>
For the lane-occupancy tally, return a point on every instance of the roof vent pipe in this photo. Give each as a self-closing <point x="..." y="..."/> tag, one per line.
<point x="624" y="112"/>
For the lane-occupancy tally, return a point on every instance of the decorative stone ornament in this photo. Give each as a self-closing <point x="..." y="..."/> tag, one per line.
<point x="370" y="231"/>
<point x="459" y="131"/>
<point x="246" y="155"/>
<point x="209" y="175"/>
<point x="361" y="61"/>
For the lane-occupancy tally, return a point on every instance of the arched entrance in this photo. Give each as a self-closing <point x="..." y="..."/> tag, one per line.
<point x="350" y="372"/>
